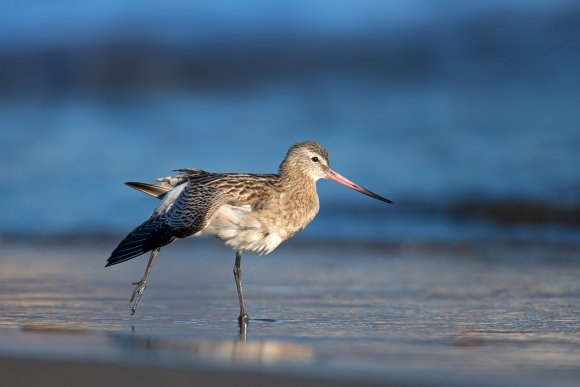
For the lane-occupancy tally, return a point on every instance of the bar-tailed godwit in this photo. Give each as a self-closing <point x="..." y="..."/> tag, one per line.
<point x="248" y="212"/>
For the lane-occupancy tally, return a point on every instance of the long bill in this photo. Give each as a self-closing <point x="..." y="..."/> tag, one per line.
<point x="333" y="175"/>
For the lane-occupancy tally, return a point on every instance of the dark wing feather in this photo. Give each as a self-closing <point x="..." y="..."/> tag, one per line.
<point x="153" y="233"/>
<point x="190" y="213"/>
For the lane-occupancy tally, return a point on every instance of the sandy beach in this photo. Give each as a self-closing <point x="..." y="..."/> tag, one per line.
<point x="322" y="315"/>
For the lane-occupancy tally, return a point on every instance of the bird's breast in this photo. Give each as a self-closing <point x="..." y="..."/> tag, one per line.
<point x="262" y="228"/>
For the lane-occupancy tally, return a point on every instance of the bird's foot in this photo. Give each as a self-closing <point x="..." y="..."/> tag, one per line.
<point x="243" y="319"/>
<point x="137" y="293"/>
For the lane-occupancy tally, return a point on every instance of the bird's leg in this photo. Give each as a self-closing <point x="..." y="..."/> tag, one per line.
<point x="243" y="318"/>
<point x="142" y="284"/>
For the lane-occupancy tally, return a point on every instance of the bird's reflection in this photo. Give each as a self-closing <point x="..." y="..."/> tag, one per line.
<point x="239" y="349"/>
<point x="243" y="336"/>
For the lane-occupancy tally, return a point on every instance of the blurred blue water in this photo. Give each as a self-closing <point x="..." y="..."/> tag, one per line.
<point x="64" y="161"/>
<point x="492" y="117"/>
<point x="37" y="23"/>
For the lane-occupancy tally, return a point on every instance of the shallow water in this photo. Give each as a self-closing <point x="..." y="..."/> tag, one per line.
<point x="499" y="314"/>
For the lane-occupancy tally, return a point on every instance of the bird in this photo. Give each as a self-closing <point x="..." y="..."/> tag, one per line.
<point x="247" y="212"/>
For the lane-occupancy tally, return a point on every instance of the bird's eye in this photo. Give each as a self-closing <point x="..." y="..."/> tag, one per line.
<point x="315" y="159"/>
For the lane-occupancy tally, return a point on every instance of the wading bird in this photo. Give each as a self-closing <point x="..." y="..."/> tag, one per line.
<point x="248" y="212"/>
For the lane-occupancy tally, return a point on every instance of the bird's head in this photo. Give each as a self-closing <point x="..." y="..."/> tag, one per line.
<point x="306" y="159"/>
<point x="309" y="159"/>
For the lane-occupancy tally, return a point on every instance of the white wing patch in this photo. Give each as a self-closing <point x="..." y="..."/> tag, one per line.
<point x="168" y="200"/>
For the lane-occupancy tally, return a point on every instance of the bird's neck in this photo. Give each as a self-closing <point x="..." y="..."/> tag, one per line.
<point x="295" y="179"/>
<point x="300" y="189"/>
<point x="300" y="201"/>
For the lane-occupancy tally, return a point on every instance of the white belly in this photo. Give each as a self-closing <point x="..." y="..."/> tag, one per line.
<point x="241" y="230"/>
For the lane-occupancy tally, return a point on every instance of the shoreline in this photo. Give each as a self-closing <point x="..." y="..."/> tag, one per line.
<point x="426" y="245"/>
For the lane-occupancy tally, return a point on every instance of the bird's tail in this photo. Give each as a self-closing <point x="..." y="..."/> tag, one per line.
<point x="153" y="233"/>
<point x="154" y="190"/>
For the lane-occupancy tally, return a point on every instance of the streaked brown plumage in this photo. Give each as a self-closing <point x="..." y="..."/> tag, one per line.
<point x="248" y="212"/>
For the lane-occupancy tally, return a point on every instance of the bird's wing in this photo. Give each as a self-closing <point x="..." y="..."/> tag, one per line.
<point x="244" y="189"/>
<point x="168" y="183"/>
<point x="195" y="191"/>
<point x="183" y="211"/>
<point x="204" y="193"/>
<point x="194" y="207"/>
<point x="149" y="235"/>
<point x="184" y="175"/>
<point x="187" y="206"/>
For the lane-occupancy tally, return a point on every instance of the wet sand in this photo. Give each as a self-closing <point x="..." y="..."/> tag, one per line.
<point x="322" y="315"/>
